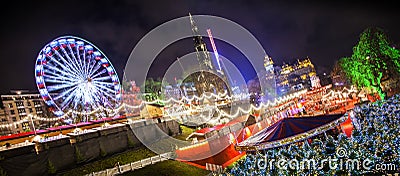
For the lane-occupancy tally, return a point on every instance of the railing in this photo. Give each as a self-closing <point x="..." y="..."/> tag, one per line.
<point x="132" y="166"/>
<point x="214" y="168"/>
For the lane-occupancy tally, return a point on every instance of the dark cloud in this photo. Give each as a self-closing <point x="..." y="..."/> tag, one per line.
<point x="324" y="31"/>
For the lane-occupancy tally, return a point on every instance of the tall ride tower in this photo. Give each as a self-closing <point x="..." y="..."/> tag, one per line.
<point x="205" y="80"/>
<point x="203" y="57"/>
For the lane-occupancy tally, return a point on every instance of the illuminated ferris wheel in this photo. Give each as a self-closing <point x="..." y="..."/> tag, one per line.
<point x="73" y="74"/>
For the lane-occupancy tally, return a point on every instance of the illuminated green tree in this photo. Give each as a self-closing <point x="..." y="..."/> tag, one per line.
<point x="153" y="88"/>
<point x="373" y="60"/>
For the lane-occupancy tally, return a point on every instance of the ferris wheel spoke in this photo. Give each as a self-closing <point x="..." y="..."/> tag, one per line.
<point x="93" y="91"/>
<point x="106" y="94"/>
<point x="74" y="61"/>
<point x="97" y="66"/>
<point x="110" y="96"/>
<point x="69" y="62"/>
<point x="58" y="63"/>
<point x="88" y="63"/>
<point x="62" y="94"/>
<point x="50" y="75"/>
<point x="97" y="98"/>
<point x="84" y="62"/>
<point x="59" y="81"/>
<point x="78" y="99"/>
<point x="103" y="100"/>
<point x="94" y="63"/>
<point x="89" y="66"/>
<point x="54" y="68"/>
<point x="107" y="84"/>
<point x="67" y="101"/>
<point x="56" y="81"/>
<point x="66" y="63"/>
<point x="79" y="57"/>
<point x="71" y="57"/>
<point x="105" y="88"/>
<point x="76" y="103"/>
<point x="104" y="83"/>
<point x="59" y="86"/>
<point x="67" y="71"/>
<point x="99" y="73"/>
<point x="102" y="78"/>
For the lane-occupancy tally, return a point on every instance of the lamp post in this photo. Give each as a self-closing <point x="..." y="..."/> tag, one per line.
<point x="33" y="124"/>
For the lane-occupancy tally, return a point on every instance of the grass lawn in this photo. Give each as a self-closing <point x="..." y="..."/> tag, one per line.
<point x="164" y="168"/>
<point x="168" y="168"/>
<point x="186" y="131"/>
<point x="109" y="162"/>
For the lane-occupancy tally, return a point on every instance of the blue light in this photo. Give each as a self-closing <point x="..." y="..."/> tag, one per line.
<point x="75" y="76"/>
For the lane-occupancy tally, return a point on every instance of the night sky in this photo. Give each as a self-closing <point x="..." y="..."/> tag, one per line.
<point x="288" y="31"/>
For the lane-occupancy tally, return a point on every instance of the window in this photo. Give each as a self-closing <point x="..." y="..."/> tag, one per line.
<point x="14" y="119"/>
<point x="29" y="103"/>
<point x="20" y="104"/>
<point x="10" y="105"/>
<point x="25" y="126"/>
<point x="30" y="110"/>
<point x="12" y="112"/>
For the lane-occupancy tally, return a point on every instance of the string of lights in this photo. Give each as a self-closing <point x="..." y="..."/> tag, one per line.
<point x="113" y="112"/>
<point x="339" y="93"/>
<point x="14" y="123"/>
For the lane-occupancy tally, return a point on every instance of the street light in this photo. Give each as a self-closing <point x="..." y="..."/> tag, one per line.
<point x="33" y="124"/>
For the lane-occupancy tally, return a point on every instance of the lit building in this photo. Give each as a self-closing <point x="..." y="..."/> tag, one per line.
<point x="4" y="120"/>
<point x="269" y="67"/>
<point x="295" y="77"/>
<point x="17" y="107"/>
<point x="173" y="91"/>
<point x="268" y="80"/>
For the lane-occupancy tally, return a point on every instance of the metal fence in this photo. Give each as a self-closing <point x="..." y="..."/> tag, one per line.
<point x="132" y="166"/>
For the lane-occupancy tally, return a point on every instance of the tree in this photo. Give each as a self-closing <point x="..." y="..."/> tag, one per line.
<point x="206" y="82"/>
<point x="153" y="87"/>
<point x="338" y="74"/>
<point x="373" y="61"/>
<point x="126" y="85"/>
